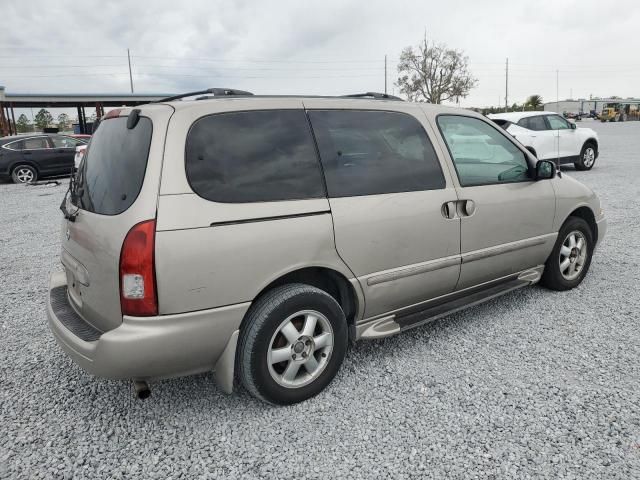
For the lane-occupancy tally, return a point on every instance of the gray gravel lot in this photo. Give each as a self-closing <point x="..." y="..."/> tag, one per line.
<point x="535" y="384"/>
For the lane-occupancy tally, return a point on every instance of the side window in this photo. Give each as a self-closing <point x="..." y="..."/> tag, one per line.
<point x="15" y="145"/>
<point x="36" y="143"/>
<point x="253" y="156"/>
<point x="374" y="152"/>
<point x="557" y="123"/>
<point x="536" y="123"/>
<point x="481" y="154"/>
<point x="65" y="142"/>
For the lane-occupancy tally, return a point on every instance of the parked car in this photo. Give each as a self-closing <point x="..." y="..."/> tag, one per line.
<point x="550" y="137"/>
<point x="257" y="236"/>
<point x="81" y="136"/>
<point x="25" y="159"/>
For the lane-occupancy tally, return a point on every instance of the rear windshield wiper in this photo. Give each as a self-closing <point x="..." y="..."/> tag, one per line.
<point x="71" y="192"/>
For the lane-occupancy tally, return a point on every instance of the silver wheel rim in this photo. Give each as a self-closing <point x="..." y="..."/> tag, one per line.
<point x="300" y="349"/>
<point x="589" y="157"/>
<point x="24" y="175"/>
<point x="573" y="255"/>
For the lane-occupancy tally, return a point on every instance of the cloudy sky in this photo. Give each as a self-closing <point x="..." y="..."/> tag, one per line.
<point x="329" y="47"/>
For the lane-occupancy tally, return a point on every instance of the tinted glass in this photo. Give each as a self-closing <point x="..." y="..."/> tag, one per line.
<point x="15" y="145"/>
<point x="536" y="123"/>
<point x="481" y="154"/>
<point x="255" y="156"/>
<point x="66" y="142"/>
<point x="557" y="123"/>
<point x="35" y="143"/>
<point x="371" y="152"/>
<point x="114" y="166"/>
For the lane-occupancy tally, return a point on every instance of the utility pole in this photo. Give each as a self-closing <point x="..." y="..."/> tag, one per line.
<point x="506" y="86"/>
<point x="130" y="76"/>
<point x="385" y="74"/>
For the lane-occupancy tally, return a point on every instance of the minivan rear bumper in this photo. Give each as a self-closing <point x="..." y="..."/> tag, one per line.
<point x="146" y="348"/>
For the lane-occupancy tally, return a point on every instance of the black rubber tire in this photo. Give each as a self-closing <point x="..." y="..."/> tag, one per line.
<point x="262" y="320"/>
<point x="552" y="277"/>
<point x="580" y="163"/>
<point x="14" y="173"/>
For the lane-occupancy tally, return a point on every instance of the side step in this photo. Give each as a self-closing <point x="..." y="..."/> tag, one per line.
<point x="415" y="319"/>
<point x="433" y="310"/>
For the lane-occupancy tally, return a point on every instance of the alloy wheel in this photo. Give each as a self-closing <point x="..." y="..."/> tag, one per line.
<point x="573" y="255"/>
<point x="300" y="349"/>
<point x="24" y="175"/>
<point x="589" y="157"/>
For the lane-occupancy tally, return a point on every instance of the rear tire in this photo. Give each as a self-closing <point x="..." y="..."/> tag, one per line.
<point x="570" y="259"/>
<point x="24" y="174"/>
<point x="588" y="156"/>
<point x="303" y="327"/>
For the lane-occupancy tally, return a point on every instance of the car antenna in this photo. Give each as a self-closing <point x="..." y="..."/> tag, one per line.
<point x="558" y="153"/>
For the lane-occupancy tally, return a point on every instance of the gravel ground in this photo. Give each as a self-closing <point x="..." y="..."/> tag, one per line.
<point x="535" y="384"/>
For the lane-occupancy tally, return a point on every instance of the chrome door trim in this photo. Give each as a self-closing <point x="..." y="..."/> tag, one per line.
<point x="415" y="269"/>
<point x="506" y="247"/>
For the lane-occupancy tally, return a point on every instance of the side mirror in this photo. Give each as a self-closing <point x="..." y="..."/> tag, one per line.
<point x="545" y="170"/>
<point x="573" y="125"/>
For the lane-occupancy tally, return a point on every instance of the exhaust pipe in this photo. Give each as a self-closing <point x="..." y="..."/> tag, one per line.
<point x="142" y="389"/>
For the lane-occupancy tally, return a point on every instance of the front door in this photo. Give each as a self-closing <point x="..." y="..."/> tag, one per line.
<point x="507" y="217"/>
<point x="65" y="150"/>
<point x="387" y="189"/>
<point x="566" y="136"/>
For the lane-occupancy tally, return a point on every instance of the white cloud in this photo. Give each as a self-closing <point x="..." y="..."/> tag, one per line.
<point x="328" y="47"/>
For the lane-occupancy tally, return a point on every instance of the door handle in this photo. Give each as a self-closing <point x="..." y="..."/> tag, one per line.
<point x="448" y="210"/>
<point x="468" y="207"/>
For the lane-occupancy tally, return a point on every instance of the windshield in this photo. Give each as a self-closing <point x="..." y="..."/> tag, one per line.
<point x="111" y="174"/>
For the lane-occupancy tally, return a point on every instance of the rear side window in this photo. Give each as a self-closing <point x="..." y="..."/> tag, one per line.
<point x="536" y="123"/>
<point x="254" y="156"/>
<point x="374" y="152"/>
<point x="114" y="166"/>
<point x="37" y="143"/>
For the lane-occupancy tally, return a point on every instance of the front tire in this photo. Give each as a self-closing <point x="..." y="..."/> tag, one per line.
<point x="588" y="156"/>
<point x="292" y="344"/>
<point x="24" y="174"/>
<point x="570" y="259"/>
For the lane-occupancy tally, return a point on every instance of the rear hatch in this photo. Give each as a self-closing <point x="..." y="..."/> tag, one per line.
<point x="116" y="188"/>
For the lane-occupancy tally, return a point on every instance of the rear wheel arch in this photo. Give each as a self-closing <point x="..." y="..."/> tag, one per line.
<point x="30" y="163"/>
<point x="331" y="281"/>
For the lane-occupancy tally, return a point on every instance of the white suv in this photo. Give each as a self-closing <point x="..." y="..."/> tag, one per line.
<point x="550" y="137"/>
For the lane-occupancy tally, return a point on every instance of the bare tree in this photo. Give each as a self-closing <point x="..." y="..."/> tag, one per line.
<point x="432" y="72"/>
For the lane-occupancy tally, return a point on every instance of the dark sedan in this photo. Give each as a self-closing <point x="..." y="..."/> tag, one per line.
<point x="26" y="158"/>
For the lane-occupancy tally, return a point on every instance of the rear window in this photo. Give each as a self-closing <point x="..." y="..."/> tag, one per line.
<point x="254" y="156"/>
<point x="112" y="173"/>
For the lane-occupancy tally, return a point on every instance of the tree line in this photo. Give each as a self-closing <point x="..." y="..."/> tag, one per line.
<point x="43" y="119"/>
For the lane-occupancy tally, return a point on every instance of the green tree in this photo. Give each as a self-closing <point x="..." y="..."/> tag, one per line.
<point x="63" y="122"/>
<point x="534" y="101"/>
<point x="43" y="119"/>
<point x="432" y="72"/>
<point x="23" y="124"/>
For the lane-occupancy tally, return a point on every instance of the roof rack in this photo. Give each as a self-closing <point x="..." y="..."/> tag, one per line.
<point x="375" y="95"/>
<point x="218" y="92"/>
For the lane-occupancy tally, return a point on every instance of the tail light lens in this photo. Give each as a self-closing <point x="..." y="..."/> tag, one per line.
<point x="138" y="296"/>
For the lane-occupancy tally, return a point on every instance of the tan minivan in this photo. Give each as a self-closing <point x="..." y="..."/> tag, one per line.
<point x="255" y="236"/>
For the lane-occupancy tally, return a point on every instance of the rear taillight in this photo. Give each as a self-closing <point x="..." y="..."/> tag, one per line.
<point x="138" y="295"/>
